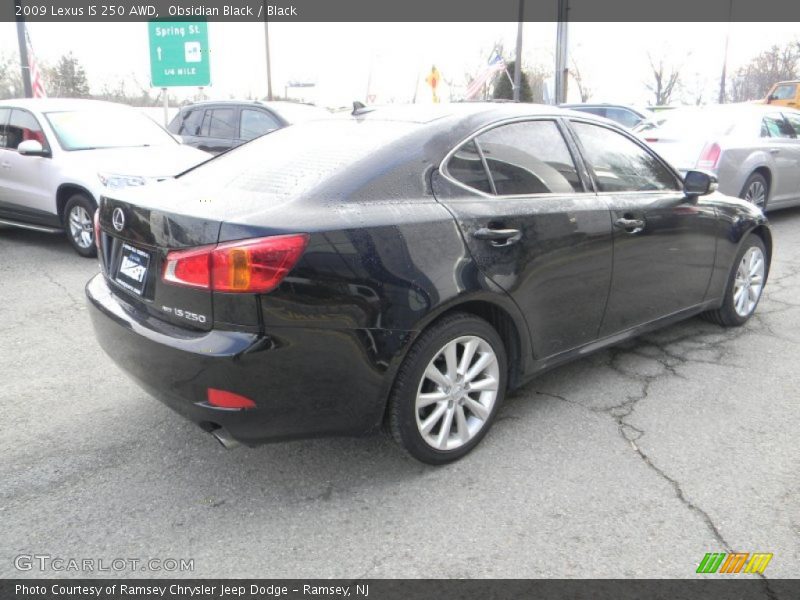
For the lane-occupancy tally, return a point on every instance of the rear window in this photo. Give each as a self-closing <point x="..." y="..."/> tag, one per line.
<point x="293" y="160"/>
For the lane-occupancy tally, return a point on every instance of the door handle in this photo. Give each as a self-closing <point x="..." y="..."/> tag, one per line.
<point x="774" y="151"/>
<point x="5" y="165"/>
<point x="630" y="225"/>
<point x="498" y="237"/>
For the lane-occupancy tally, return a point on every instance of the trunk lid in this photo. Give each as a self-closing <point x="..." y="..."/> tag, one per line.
<point x="136" y="235"/>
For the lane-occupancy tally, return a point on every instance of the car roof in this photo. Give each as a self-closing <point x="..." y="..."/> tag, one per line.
<point x="60" y="104"/>
<point x="267" y="103"/>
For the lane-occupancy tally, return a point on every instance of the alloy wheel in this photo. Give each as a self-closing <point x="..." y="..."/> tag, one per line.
<point x="756" y="193"/>
<point x="457" y="393"/>
<point x="749" y="282"/>
<point x="81" y="227"/>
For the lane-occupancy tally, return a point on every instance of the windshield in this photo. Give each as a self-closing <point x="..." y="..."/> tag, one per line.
<point x="90" y="129"/>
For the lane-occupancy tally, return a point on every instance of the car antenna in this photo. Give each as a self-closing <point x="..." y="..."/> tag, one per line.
<point x="359" y="108"/>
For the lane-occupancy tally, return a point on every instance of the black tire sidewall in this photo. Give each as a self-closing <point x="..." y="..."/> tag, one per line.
<point x="403" y="415"/>
<point x="89" y="205"/>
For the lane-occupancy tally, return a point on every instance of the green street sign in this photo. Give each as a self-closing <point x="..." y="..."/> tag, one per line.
<point x="179" y="54"/>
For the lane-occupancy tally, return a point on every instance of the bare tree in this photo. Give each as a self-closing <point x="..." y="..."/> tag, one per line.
<point x="666" y="80"/>
<point x="753" y="80"/>
<point x="584" y="90"/>
<point x="10" y="78"/>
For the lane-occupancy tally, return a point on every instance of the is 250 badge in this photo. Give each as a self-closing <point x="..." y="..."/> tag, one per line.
<point x="184" y="314"/>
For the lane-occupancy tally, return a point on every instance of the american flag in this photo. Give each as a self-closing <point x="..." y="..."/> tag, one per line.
<point x="495" y="64"/>
<point x="36" y="79"/>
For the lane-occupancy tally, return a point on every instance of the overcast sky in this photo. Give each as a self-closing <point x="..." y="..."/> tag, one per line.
<point x="391" y="59"/>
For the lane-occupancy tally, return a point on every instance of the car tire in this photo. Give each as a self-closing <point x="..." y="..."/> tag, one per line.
<point x="756" y="191"/>
<point x="745" y="285"/>
<point x="437" y="377"/>
<point x="77" y="210"/>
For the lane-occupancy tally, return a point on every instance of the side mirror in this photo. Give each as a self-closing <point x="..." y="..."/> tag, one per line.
<point x="770" y="98"/>
<point x="699" y="183"/>
<point x="32" y="148"/>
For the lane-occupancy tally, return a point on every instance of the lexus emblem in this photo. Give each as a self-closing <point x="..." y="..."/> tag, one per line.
<point x="118" y="219"/>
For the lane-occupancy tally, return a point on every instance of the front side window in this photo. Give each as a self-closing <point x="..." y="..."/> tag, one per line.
<point x="192" y="120"/>
<point x="22" y="127"/>
<point x="784" y="92"/>
<point x="621" y="165"/>
<point x="776" y="126"/>
<point x="255" y="123"/>
<point x="791" y="117"/>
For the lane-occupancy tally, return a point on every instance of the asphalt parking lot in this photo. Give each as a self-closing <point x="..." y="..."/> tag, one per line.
<point x="633" y="462"/>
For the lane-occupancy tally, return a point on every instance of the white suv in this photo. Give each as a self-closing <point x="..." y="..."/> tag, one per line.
<point x="57" y="157"/>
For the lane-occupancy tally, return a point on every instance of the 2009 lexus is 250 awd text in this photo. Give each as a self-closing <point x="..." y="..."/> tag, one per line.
<point x="405" y="267"/>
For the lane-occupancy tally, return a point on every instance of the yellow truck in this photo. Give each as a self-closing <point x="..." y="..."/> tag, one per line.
<point x="784" y="93"/>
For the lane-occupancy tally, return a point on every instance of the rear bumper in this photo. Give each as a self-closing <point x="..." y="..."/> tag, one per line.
<point x="304" y="382"/>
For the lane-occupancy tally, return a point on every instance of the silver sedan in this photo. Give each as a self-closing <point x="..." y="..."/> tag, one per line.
<point x="754" y="150"/>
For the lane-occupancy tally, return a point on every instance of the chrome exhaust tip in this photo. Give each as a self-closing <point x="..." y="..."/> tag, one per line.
<point x="224" y="438"/>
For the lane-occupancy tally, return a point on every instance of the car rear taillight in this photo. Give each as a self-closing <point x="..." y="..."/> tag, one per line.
<point x="97" y="228"/>
<point x="709" y="157"/>
<point x="250" y="266"/>
<point x="224" y="399"/>
<point x="650" y="140"/>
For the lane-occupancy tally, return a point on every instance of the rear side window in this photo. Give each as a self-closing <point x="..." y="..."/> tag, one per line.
<point x="621" y="165"/>
<point x="22" y="127"/>
<point x="220" y="123"/>
<point x="4" y="114"/>
<point x="467" y="167"/>
<point x="529" y="158"/>
<point x="190" y="124"/>
<point x="254" y="123"/>
<point x="776" y="126"/>
<point x="522" y="159"/>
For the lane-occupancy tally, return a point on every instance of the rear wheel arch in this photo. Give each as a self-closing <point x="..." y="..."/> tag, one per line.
<point x="763" y="232"/>
<point x="65" y="192"/>
<point x="512" y="332"/>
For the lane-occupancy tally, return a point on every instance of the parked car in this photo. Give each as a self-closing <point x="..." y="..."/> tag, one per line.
<point x="406" y="266"/>
<point x="784" y="93"/>
<point x="58" y="156"/>
<point x="627" y="116"/>
<point x="754" y="150"/>
<point x="219" y="126"/>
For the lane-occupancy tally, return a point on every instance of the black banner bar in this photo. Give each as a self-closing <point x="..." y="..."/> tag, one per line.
<point x="333" y="11"/>
<point x="712" y="588"/>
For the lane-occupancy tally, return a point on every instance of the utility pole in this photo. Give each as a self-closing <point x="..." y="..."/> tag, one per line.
<point x="722" y="80"/>
<point x="266" y="44"/>
<point x="518" y="61"/>
<point x="562" y="70"/>
<point x="23" y="54"/>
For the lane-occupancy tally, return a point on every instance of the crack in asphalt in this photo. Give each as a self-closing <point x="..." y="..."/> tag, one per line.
<point x="669" y="359"/>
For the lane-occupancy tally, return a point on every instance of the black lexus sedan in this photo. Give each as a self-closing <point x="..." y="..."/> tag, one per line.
<point x="405" y="267"/>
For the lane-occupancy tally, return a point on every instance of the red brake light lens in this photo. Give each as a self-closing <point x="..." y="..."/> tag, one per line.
<point x="224" y="399"/>
<point x="252" y="266"/>
<point x="709" y="157"/>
